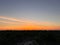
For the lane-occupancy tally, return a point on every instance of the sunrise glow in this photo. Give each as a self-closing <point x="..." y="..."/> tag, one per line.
<point x="29" y="15"/>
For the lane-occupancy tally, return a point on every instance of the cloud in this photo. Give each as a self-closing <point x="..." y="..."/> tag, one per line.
<point x="24" y="21"/>
<point x="8" y="22"/>
<point x="12" y="19"/>
<point x="15" y="20"/>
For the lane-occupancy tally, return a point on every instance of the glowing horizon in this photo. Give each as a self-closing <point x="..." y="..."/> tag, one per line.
<point x="20" y="24"/>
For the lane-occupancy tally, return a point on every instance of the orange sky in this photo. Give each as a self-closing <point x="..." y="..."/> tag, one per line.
<point x="30" y="27"/>
<point x="7" y="23"/>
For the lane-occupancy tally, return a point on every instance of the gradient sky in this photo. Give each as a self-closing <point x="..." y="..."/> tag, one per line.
<point x="30" y="14"/>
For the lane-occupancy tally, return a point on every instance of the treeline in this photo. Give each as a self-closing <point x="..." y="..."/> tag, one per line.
<point x="41" y="37"/>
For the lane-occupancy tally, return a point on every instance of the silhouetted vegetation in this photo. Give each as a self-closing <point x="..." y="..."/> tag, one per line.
<point x="41" y="37"/>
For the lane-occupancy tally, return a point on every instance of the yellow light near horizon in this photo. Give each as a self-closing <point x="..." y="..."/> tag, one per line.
<point x="29" y="28"/>
<point x="19" y="24"/>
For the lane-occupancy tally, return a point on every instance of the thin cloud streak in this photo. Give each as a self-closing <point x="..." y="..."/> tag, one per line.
<point x="20" y="21"/>
<point x="15" y="20"/>
<point x="8" y="22"/>
<point x="12" y="19"/>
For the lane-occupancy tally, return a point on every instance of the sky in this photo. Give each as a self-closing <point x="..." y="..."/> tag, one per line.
<point x="29" y="14"/>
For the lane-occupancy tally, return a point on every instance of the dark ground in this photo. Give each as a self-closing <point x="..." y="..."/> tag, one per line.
<point x="29" y="37"/>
